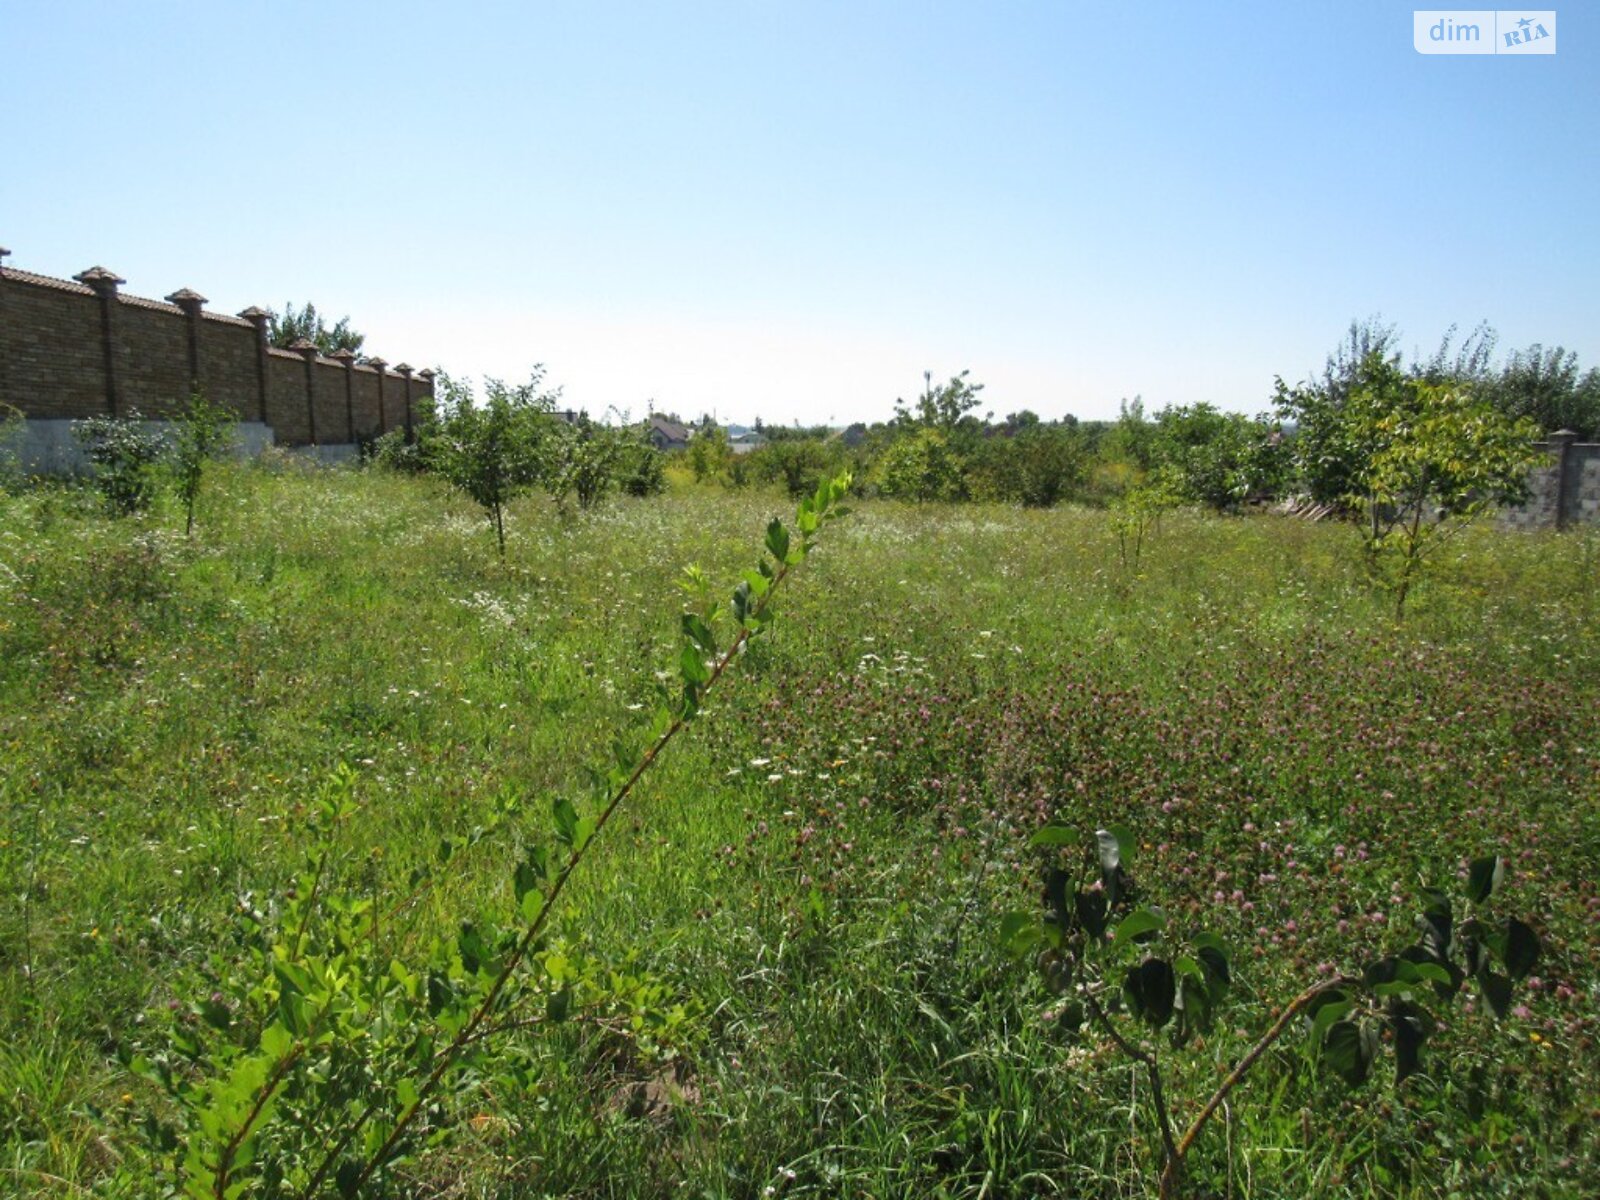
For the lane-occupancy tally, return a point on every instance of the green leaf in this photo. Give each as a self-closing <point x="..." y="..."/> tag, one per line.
<point x="1435" y="923"/>
<point x="1409" y="1027"/>
<point x="1053" y="835"/>
<point x="778" y="541"/>
<point x="566" y="819"/>
<point x="1522" y="948"/>
<point x="699" y="633"/>
<point x="1483" y="876"/>
<point x="347" y="1177"/>
<point x="1151" y="991"/>
<point x="1019" y="933"/>
<point x="1496" y="989"/>
<point x="1055" y="895"/>
<point x="531" y="904"/>
<point x="1138" y="923"/>
<point x="582" y="832"/>
<point x="693" y="667"/>
<point x="406" y="1092"/>
<point x="1348" y="1051"/>
<point x="276" y="1041"/>
<point x="1331" y="1006"/>
<point x="1091" y="912"/>
<point x="1219" y="976"/>
<point x="558" y="1006"/>
<point x="1109" y="846"/>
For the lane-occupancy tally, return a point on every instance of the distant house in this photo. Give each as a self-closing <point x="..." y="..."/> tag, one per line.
<point x="666" y="434"/>
<point x="745" y="441"/>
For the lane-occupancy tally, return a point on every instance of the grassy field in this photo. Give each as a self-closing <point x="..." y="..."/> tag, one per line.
<point x="805" y="896"/>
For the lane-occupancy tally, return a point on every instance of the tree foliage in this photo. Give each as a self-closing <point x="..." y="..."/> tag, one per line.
<point x="922" y="466"/>
<point x="492" y="450"/>
<point x="201" y="432"/>
<point x="1219" y="459"/>
<point x="125" y="452"/>
<point x="286" y="328"/>
<point x="1437" y="458"/>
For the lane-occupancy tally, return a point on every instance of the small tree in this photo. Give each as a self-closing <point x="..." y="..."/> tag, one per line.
<point x="491" y="450"/>
<point x="1439" y="458"/>
<point x="642" y="470"/>
<point x="124" y="452"/>
<point x="922" y="466"/>
<point x="944" y="407"/>
<point x="1116" y="964"/>
<point x="582" y="460"/>
<point x="1038" y="466"/>
<point x="201" y="433"/>
<point x="709" y="453"/>
<point x="799" y="462"/>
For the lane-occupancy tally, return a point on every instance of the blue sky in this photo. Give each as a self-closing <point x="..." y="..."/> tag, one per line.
<point x="793" y="210"/>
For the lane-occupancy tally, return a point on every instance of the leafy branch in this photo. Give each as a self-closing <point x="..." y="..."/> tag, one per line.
<point x="1090" y="937"/>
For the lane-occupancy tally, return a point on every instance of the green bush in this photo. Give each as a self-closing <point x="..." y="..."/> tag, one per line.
<point x="125" y="452"/>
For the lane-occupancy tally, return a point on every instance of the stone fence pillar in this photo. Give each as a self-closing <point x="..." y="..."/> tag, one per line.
<point x="348" y="358"/>
<point x="104" y="284"/>
<point x="379" y="365"/>
<point x="404" y="371"/>
<point x="1561" y="442"/>
<point x="259" y="318"/>
<point x="191" y="302"/>
<point x="307" y="349"/>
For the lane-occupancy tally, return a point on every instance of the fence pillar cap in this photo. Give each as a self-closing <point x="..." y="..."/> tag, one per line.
<point x="427" y="373"/>
<point x="379" y="363"/>
<point x="186" y="299"/>
<point x="304" y="346"/>
<point x="344" y="355"/>
<point x="255" y="314"/>
<point x="99" y="277"/>
<point x="1564" y="435"/>
<point x="403" y="369"/>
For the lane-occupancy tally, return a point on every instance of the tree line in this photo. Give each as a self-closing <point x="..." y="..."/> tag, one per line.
<point x="1318" y="438"/>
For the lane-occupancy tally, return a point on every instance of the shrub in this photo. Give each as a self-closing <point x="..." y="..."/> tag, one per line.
<point x="643" y="471"/>
<point x="124" y="452"/>
<point x="922" y="466"/>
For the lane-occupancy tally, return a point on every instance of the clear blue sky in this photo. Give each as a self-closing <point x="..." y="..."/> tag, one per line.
<point x="793" y="209"/>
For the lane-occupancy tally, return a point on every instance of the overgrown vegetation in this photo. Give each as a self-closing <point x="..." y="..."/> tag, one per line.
<point x="512" y="441"/>
<point x="781" y="969"/>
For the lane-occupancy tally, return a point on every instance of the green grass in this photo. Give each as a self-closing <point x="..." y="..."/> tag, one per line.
<point x="816" y="871"/>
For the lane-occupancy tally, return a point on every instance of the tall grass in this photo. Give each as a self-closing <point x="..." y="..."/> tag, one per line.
<point x="820" y="907"/>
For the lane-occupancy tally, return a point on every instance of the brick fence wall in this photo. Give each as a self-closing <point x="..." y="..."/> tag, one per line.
<point x="81" y="347"/>
<point x="1564" y="491"/>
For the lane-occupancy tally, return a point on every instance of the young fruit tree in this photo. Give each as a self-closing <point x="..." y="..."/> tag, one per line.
<point x="199" y="434"/>
<point x="1438" y="458"/>
<point x="492" y="450"/>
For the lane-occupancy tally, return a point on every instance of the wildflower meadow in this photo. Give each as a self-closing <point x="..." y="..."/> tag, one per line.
<point x="293" y="788"/>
